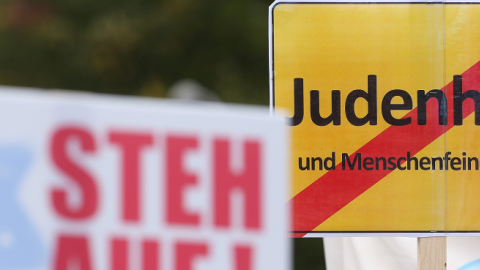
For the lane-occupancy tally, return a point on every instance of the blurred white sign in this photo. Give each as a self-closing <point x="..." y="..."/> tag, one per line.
<point x="93" y="182"/>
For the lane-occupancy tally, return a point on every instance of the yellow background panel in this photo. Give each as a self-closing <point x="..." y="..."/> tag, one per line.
<point x="402" y="201"/>
<point x="408" y="47"/>
<point x="463" y="203"/>
<point x="462" y="51"/>
<point x="336" y="46"/>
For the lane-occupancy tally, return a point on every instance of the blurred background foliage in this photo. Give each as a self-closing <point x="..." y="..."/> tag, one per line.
<point x="143" y="47"/>
<point x="137" y="47"/>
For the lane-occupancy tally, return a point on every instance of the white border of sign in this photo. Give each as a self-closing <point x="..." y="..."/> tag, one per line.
<point x="272" y="108"/>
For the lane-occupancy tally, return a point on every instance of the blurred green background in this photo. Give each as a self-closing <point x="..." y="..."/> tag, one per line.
<point x="143" y="47"/>
<point x="137" y="47"/>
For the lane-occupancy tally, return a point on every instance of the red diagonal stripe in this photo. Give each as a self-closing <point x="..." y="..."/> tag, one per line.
<point x="338" y="187"/>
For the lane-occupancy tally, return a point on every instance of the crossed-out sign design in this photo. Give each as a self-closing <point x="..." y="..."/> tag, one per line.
<point x="384" y="103"/>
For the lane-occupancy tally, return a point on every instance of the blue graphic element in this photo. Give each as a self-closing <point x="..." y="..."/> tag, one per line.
<point x="475" y="265"/>
<point x="20" y="246"/>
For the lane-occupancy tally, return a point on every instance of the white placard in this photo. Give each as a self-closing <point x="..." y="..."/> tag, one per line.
<point x="93" y="182"/>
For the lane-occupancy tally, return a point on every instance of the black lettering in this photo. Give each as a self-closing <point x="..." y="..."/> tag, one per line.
<point x="358" y="158"/>
<point x="409" y="160"/>
<point x="399" y="161"/>
<point x="424" y="161"/>
<point x="422" y="99"/>
<point x="387" y="107"/>
<point x="297" y="103"/>
<point x="320" y="165"/>
<point x="439" y="159"/>
<point x="377" y="162"/>
<point x="332" y="162"/>
<point x="366" y="162"/>
<point x="455" y="161"/>
<point x="301" y="167"/>
<point x="315" y="109"/>
<point x="470" y="163"/>
<point x="459" y="97"/>
<point x="391" y="161"/>
<point x="446" y="158"/>
<point x="370" y="97"/>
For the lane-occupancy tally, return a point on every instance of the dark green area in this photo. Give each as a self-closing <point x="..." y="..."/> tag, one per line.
<point x="142" y="47"/>
<point x="309" y="254"/>
<point x="137" y="47"/>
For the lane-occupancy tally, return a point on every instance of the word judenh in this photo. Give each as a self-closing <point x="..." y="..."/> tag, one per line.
<point x="387" y="107"/>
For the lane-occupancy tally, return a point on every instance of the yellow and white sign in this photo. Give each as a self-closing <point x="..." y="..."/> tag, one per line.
<point x="384" y="103"/>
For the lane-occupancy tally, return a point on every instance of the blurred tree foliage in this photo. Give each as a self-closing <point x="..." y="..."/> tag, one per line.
<point x="142" y="47"/>
<point x="137" y="47"/>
